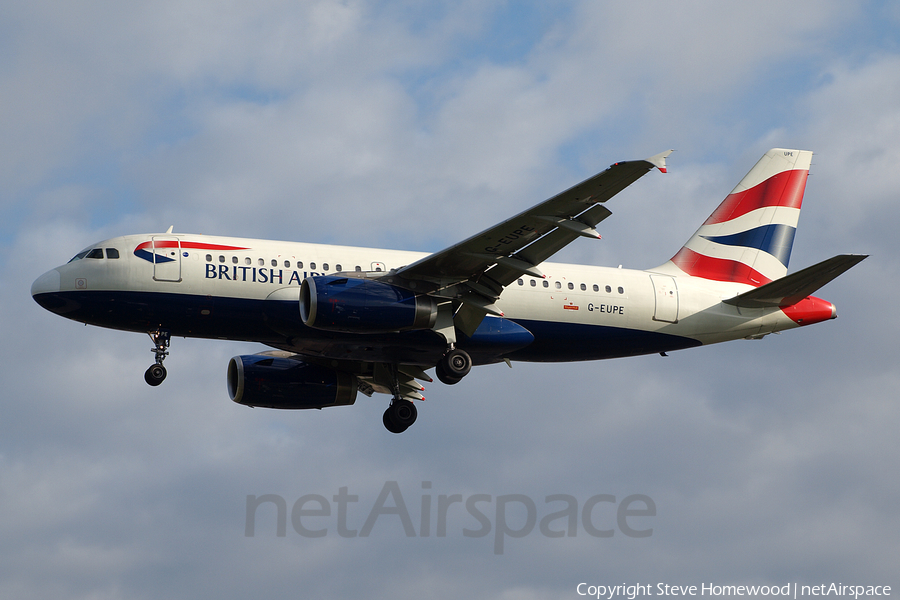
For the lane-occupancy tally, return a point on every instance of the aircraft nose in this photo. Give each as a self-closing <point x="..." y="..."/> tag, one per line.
<point x="48" y="283"/>
<point x="45" y="291"/>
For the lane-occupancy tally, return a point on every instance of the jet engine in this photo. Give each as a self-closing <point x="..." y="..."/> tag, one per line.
<point x="276" y="382"/>
<point x="351" y="305"/>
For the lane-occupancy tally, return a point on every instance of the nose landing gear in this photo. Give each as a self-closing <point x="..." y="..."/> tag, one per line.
<point x="157" y="372"/>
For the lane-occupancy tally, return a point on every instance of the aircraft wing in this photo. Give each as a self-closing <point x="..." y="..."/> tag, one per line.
<point x="476" y="270"/>
<point x="563" y="218"/>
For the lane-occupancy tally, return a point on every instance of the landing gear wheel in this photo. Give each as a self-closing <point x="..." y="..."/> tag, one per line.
<point x="403" y="412"/>
<point x="155" y="375"/>
<point x="455" y="365"/>
<point x="389" y="424"/>
<point x="443" y="376"/>
<point x="399" y="416"/>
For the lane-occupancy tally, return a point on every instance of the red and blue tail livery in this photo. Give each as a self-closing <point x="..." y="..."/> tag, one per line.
<point x="342" y="320"/>
<point x="748" y="238"/>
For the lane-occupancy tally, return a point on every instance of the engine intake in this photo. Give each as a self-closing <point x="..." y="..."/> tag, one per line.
<point x="274" y="382"/>
<point x="335" y="303"/>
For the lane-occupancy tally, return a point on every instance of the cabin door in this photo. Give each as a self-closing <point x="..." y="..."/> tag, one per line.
<point x="166" y="258"/>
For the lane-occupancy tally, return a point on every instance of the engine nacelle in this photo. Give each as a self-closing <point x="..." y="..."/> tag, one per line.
<point x="275" y="382"/>
<point x="335" y="303"/>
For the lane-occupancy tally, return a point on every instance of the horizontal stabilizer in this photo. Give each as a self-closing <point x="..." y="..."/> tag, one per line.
<point x="793" y="288"/>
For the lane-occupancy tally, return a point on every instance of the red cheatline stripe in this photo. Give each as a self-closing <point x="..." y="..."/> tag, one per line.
<point x="202" y="246"/>
<point x="718" y="269"/>
<point x="782" y="189"/>
<point x="190" y="245"/>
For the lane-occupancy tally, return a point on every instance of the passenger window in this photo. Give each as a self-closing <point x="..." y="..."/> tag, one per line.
<point x="221" y="258"/>
<point x="596" y="288"/>
<point x="112" y="253"/>
<point x="546" y="283"/>
<point x="209" y="258"/>
<point x="312" y="266"/>
<point x="559" y="285"/>
<point x="338" y="268"/>
<point x="234" y="259"/>
<point x="621" y="290"/>
<point x="247" y="261"/>
<point x="287" y="264"/>
<point x="299" y="264"/>
<point x="533" y="282"/>
<point x="274" y="263"/>
<point x="261" y="262"/>
<point x="324" y="266"/>
<point x="583" y="287"/>
<point x="571" y="286"/>
<point x="358" y="269"/>
<point x="521" y="282"/>
<point x="608" y="290"/>
<point x="95" y="253"/>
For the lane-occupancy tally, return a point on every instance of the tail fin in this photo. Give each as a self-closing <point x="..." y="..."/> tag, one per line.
<point x="748" y="239"/>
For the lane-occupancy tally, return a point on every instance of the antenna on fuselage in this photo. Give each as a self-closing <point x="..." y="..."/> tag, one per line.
<point x="169" y="230"/>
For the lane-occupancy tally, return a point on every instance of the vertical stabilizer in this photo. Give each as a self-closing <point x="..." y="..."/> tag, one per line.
<point x="748" y="238"/>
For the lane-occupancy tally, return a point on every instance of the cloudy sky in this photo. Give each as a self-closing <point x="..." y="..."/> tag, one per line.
<point x="412" y="125"/>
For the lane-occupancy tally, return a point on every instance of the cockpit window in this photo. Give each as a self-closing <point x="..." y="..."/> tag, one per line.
<point x="96" y="253"/>
<point x="80" y="255"/>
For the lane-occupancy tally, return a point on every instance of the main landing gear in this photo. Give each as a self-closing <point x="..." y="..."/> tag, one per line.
<point x="157" y="372"/>
<point x="400" y="415"/>
<point x="454" y="365"/>
<point x="402" y="412"/>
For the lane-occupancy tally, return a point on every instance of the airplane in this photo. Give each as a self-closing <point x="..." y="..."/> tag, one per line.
<point x="342" y="320"/>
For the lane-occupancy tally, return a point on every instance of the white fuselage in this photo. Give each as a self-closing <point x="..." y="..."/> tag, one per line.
<point x="208" y="279"/>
